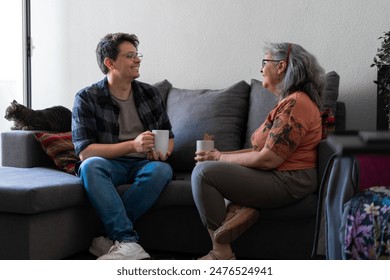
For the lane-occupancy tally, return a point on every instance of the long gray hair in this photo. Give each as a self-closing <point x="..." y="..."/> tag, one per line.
<point x="303" y="71"/>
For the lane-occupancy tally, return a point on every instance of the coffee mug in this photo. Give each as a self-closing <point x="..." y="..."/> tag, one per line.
<point x="205" y="145"/>
<point x="161" y="139"/>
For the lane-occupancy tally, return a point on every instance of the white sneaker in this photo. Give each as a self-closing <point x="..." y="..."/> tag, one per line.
<point x="100" y="246"/>
<point x="125" y="251"/>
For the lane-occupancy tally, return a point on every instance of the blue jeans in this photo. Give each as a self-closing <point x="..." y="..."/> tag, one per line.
<point x="100" y="178"/>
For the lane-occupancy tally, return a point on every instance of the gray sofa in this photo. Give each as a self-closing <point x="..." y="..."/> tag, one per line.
<point x="45" y="214"/>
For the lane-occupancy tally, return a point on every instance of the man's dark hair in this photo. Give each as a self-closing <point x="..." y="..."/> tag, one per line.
<point x="108" y="47"/>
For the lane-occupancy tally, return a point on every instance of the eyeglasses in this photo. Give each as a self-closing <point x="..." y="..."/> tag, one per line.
<point x="264" y="61"/>
<point x="133" y="55"/>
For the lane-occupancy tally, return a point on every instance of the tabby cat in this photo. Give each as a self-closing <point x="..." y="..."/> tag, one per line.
<point x="57" y="118"/>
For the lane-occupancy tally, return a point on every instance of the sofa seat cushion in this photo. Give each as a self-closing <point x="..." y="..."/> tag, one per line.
<point x="38" y="189"/>
<point x="177" y="193"/>
<point x="303" y="209"/>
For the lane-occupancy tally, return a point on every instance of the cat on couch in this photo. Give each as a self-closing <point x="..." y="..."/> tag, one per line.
<point x="56" y="118"/>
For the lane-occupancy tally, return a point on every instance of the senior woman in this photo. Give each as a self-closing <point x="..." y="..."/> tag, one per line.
<point x="281" y="166"/>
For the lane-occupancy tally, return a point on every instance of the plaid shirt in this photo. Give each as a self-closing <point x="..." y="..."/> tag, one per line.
<point x="95" y="115"/>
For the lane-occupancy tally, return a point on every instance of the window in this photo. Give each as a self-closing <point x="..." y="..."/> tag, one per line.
<point x="11" y="70"/>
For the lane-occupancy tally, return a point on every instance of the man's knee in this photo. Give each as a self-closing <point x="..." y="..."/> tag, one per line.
<point x="92" y="164"/>
<point x="161" y="169"/>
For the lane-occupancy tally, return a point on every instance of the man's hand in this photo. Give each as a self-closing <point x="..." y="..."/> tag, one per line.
<point x="153" y="155"/>
<point x="144" y="143"/>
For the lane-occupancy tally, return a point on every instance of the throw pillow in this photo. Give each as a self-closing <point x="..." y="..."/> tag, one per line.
<point x="331" y="91"/>
<point x="328" y="122"/>
<point x="192" y="113"/>
<point x="163" y="87"/>
<point x="261" y="102"/>
<point x="59" y="147"/>
<point x="329" y="103"/>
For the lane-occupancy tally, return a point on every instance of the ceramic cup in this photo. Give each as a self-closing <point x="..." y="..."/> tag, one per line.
<point x="161" y="139"/>
<point x="205" y="145"/>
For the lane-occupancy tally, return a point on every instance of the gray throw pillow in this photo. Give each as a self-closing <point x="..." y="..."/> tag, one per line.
<point x="261" y="102"/>
<point x="163" y="87"/>
<point x="331" y="92"/>
<point x="222" y="113"/>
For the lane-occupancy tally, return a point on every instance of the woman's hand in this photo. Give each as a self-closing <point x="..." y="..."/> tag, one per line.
<point x="207" y="155"/>
<point x="264" y="159"/>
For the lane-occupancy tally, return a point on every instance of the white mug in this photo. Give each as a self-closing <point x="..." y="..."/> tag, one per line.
<point x="161" y="139"/>
<point x="205" y="145"/>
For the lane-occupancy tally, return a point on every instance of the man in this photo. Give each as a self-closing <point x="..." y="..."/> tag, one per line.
<point x="111" y="130"/>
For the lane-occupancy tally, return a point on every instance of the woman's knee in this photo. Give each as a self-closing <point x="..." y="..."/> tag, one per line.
<point x="200" y="169"/>
<point x="203" y="172"/>
<point x="203" y="178"/>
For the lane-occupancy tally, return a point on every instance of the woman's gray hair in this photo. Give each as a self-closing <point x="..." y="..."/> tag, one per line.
<point x="303" y="71"/>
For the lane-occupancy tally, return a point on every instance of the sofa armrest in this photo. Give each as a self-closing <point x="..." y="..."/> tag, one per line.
<point x="20" y="149"/>
<point x="325" y="152"/>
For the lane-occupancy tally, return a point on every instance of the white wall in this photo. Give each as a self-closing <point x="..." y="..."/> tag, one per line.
<point x="208" y="44"/>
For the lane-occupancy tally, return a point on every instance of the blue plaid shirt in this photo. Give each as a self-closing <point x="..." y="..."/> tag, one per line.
<point x="95" y="115"/>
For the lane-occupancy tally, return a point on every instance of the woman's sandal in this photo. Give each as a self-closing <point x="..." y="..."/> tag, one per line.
<point x="212" y="255"/>
<point x="242" y="218"/>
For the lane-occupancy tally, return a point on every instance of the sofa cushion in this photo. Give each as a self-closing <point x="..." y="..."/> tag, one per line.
<point x="331" y="92"/>
<point x="261" y="102"/>
<point x="38" y="189"/>
<point x="59" y="147"/>
<point x="328" y="122"/>
<point x="222" y="113"/>
<point x="163" y="87"/>
<point x="20" y="148"/>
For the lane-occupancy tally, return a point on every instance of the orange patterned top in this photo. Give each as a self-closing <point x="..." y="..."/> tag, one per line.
<point x="293" y="131"/>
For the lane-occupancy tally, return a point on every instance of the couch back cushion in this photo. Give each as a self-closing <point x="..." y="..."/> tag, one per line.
<point x="261" y="102"/>
<point x="222" y="113"/>
<point x="163" y="87"/>
<point x="331" y="92"/>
